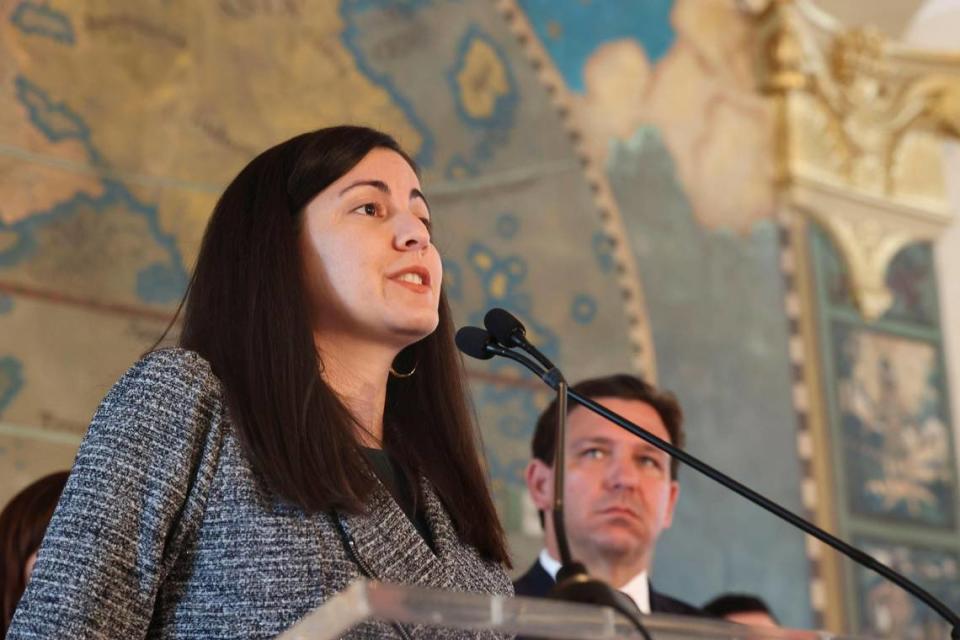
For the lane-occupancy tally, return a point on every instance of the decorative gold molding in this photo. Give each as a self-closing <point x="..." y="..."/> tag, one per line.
<point x="860" y="129"/>
<point x="869" y="230"/>
<point x="860" y="123"/>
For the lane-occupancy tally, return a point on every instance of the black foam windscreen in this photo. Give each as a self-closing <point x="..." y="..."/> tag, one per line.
<point x="503" y="326"/>
<point x="473" y="342"/>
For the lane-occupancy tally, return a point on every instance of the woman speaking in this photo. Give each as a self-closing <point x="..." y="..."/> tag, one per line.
<point x="311" y="429"/>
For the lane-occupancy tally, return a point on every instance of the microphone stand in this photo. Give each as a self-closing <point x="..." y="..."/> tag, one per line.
<point x="574" y="584"/>
<point x="559" y="525"/>
<point x="514" y="336"/>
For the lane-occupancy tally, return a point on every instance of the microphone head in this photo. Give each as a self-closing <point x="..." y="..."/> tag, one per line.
<point x="473" y="342"/>
<point x="503" y="326"/>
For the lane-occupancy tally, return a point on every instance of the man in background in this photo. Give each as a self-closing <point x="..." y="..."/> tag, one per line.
<point x="620" y="490"/>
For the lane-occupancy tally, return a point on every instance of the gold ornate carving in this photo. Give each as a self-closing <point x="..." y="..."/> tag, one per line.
<point x="861" y="125"/>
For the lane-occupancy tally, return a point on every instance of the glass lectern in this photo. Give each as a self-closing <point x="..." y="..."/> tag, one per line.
<point x="529" y="617"/>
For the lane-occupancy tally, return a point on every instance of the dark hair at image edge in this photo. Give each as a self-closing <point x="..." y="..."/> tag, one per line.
<point x="246" y="313"/>
<point x="22" y="524"/>
<point x="731" y="603"/>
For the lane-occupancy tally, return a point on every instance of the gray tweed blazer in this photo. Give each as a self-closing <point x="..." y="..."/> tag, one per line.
<point x="165" y="531"/>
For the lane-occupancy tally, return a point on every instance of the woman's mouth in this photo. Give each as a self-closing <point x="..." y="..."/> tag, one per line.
<point x="416" y="279"/>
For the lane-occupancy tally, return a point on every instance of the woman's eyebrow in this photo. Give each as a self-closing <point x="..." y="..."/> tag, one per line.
<point x="416" y="193"/>
<point x="377" y="184"/>
<point x="380" y="185"/>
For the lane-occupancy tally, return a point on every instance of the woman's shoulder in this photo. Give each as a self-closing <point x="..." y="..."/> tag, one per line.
<point x="173" y="361"/>
<point x="161" y="415"/>
<point x="170" y="386"/>
<point x="174" y="369"/>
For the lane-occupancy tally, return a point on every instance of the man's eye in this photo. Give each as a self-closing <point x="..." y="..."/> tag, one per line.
<point x="592" y="453"/>
<point x="649" y="461"/>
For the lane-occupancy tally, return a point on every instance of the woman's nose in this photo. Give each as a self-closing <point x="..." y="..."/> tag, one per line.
<point x="411" y="233"/>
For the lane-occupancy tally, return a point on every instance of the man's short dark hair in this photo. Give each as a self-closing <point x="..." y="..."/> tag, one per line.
<point x="728" y="603"/>
<point x="626" y="387"/>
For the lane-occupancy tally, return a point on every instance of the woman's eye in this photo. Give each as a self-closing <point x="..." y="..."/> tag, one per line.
<point x="368" y="209"/>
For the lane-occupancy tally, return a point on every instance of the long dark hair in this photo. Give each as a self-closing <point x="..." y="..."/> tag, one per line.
<point x="246" y="313"/>
<point x="22" y="524"/>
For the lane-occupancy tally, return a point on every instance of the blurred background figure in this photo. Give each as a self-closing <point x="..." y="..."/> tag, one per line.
<point x="22" y="525"/>
<point x="742" y="608"/>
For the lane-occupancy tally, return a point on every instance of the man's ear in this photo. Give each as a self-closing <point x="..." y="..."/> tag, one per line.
<point x="671" y="503"/>
<point x="539" y="477"/>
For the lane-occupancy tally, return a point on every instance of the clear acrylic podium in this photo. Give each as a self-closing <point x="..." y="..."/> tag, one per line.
<point x="529" y="617"/>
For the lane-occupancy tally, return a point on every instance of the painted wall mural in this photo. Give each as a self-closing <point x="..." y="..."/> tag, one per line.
<point x="895" y="432"/>
<point x="601" y="169"/>
<point x="886" y="610"/>
<point x="893" y="441"/>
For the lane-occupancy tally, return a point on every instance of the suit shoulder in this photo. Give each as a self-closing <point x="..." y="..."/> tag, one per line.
<point x="535" y="583"/>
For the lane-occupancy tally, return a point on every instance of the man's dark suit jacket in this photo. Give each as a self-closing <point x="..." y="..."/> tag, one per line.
<point x="536" y="583"/>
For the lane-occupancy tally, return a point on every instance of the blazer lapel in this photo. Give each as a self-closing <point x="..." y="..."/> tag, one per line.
<point x="445" y="538"/>
<point x="392" y="550"/>
<point x="464" y="566"/>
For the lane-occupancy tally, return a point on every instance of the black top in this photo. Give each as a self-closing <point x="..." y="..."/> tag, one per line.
<point x="402" y="490"/>
<point x="536" y="583"/>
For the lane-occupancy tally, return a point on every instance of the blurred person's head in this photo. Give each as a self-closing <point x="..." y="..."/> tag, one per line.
<point x="620" y="490"/>
<point x="742" y="608"/>
<point x="22" y="525"/>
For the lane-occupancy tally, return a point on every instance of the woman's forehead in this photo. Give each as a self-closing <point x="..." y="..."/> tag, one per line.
<point x="384" y="165"/>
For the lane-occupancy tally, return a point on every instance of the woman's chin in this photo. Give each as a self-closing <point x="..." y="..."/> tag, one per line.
<point x="415" y="328"/>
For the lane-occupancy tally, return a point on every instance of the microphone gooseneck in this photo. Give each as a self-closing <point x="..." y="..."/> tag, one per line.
<point x="573" y="583"/>
<point x="506" y="332"/>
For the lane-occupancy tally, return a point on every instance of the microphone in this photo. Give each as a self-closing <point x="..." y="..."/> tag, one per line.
<point x="475" y="342"/>
<point x="505" y="328"/>
<point x="509" y="332"/>
<point x="479" y="344"/>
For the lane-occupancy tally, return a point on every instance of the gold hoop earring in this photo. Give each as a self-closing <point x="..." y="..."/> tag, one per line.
<point x="397" y="374"/>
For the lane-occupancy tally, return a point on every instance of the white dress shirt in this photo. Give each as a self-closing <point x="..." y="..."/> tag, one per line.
<point x="638" y="588"/>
